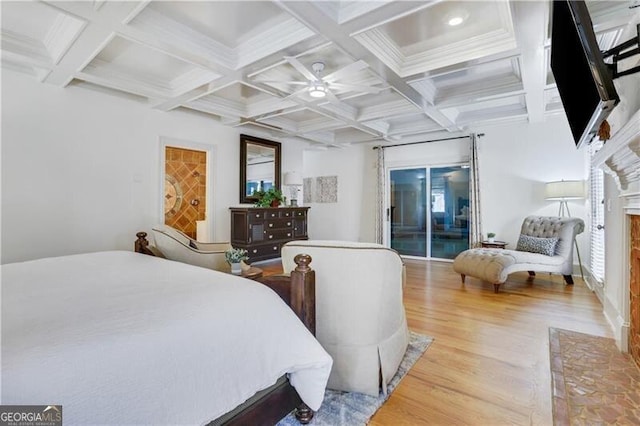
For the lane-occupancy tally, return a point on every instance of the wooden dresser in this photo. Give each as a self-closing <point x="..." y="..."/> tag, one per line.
<point x="263" y="231"/>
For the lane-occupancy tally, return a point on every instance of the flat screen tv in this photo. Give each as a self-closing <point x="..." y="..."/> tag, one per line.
<point x="584" y="82"/>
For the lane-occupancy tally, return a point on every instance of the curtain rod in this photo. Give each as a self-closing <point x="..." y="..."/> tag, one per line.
<point x="433" y="140"/>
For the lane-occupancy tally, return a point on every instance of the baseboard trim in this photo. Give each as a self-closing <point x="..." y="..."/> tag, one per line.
<point x="618" y="325"/>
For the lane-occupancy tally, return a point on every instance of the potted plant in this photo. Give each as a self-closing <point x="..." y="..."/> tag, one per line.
<point x="234" y="256"/>
<point x="269" y="198"/>
<point x="491" y="237"/>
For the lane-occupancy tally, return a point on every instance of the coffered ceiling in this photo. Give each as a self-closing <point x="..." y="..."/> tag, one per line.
<point x="390" y="71"/>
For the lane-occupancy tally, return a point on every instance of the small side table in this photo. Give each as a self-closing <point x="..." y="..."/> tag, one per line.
<point x="495" y="244"/>
<point x="252" y="273"/>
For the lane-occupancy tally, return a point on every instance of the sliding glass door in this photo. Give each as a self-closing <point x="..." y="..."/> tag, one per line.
<point x="429" y="211"/>
<point x="408" y="211"/>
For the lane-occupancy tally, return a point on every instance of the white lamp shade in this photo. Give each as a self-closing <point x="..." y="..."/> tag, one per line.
<point x="292" y="179"/>
<point x="565" y="190"/>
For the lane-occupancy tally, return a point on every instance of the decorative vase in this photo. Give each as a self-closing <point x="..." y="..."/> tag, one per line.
<point x="236" y="269"/>
<point x="491" y="239"/>
<point x="275" y="203"/>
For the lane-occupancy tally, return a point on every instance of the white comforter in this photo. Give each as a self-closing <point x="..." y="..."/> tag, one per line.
<point x="123" y="338"/>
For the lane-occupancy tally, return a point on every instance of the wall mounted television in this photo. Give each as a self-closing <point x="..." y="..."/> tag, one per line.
<point x="584" y="81"/>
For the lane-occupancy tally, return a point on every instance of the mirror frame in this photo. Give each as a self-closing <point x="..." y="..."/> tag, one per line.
<point x="244" y="140"/>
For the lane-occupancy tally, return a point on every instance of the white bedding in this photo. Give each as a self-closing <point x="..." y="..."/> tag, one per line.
<point x="124" y="338"/>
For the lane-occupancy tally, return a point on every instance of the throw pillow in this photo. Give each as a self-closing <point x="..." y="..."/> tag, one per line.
<point x="546" y="246"/>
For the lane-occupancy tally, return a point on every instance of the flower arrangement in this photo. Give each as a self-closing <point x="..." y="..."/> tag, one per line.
<point x="234" y="255"/>
<point x="269" y="198"/>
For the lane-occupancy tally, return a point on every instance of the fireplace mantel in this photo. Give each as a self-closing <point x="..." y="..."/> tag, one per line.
<point x="620" y="156"/>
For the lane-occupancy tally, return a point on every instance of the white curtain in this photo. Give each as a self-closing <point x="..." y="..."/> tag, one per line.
<point x="380" y="214"/>
<point x="474" y="188"/>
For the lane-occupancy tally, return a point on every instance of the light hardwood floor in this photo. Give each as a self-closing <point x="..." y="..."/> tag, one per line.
<point x="489" y="363"/>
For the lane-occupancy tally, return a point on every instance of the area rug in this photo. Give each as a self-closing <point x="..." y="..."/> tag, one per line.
<point x="591" y="381"/>
<point x="351" y="408"/>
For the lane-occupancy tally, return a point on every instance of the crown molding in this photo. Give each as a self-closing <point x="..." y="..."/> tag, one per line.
<point x="620" y="155"/>
<point x="387" y="110"/>
<point x="62" y="34"/>
<point x="152" y="24"/>
<point x="271" y="41"/>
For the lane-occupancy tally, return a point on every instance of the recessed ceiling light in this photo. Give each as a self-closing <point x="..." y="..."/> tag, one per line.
<point x="456" y="16"/>
<point x="456" y="20"/>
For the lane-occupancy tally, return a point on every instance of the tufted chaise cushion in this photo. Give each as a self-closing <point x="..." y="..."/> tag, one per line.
<point x="486" y="264"/>
<point x="563" y="228"/>
<point x="495" y="265"/>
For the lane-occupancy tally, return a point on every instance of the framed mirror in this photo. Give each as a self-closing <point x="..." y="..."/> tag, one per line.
<point x="259" y="166"/>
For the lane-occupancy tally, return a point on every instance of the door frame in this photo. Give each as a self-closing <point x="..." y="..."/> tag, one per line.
<point x="165" y="142"/>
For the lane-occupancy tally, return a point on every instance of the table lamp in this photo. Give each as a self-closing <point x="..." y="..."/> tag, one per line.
<point x="294" y="181"/>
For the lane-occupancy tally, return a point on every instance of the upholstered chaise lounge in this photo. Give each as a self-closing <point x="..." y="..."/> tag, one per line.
<point x="495" y="265"/>
<point x="360" y="318"/>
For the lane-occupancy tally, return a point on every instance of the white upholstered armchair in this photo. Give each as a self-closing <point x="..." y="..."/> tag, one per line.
<point x="360" y="317"/>
<point x="174" y="245"/>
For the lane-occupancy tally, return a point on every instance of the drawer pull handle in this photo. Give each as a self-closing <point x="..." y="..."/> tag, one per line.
<point x="275" y="248"/>
<point x="273" y="215"/>
<point x="288" y="223"/>
<point x="257" y="215"/>
<point x="288" y="234"/>
<point x="271" y="225"/>
<point x="270" y="237"/>
<point x="295" y="229"/>
<point x="255" y="250"/>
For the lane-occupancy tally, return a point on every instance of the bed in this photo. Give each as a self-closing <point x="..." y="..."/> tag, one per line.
<point x="122" y="338"/>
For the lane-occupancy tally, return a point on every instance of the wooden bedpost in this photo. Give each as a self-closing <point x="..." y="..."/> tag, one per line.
<point x="303" y="291"/>
<point x="303" y="303"/>
<point x="299" y="291"/>
<point x="142" y="245"/>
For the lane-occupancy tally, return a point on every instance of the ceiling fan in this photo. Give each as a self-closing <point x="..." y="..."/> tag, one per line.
<point x="319" y="86"/>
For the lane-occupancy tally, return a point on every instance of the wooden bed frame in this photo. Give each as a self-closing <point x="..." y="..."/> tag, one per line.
<point x="274" y="403"/>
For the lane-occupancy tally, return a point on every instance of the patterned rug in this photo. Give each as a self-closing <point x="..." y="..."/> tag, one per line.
<point x="351" y="408"/>
<point x="592" y="383"/>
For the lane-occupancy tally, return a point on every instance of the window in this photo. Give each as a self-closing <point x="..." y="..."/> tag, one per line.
<point x="596" y="199"/>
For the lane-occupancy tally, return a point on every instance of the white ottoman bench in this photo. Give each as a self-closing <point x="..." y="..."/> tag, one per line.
<point x="487" y="264"/>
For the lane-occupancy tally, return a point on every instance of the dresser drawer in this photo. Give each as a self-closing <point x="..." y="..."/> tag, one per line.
<point x="271" y="214"/>
<point x="255" y="216"/>
<point x="299" y="213"/>
<point x="257" y="252"/>
<point x="278" y="224"/>
<point x="279" y="234"/>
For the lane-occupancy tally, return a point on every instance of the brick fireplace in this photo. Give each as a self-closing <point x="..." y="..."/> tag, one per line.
<point x="634" y="290"/>
<point x="620" y="158"/>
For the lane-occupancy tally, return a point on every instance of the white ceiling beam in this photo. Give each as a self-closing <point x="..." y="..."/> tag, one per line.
<point x="95" y="36"/>
<point x="531" y="24"/>
<point x="314" y="18"/>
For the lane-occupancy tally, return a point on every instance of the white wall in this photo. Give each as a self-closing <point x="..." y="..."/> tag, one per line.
<point x="515" y="163"/>
<point x="516" y="160"/>
<point x="80" y="168"/>
<point x="341" y="220"/>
